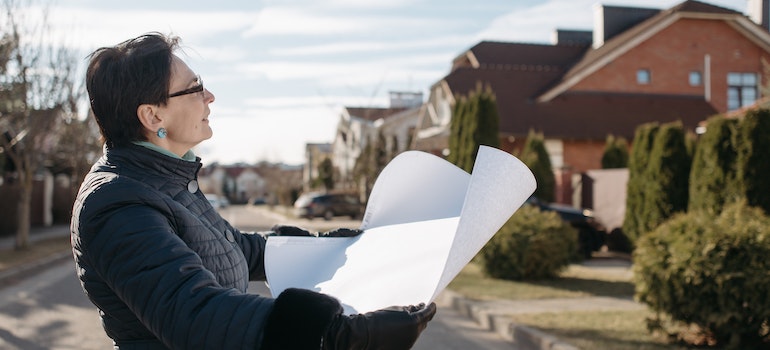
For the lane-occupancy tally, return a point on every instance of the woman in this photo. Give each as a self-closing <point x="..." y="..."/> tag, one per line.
<point x="163" y="268"/>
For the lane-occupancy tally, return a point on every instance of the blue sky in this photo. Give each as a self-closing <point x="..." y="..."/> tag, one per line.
<point x="281" y="70"/>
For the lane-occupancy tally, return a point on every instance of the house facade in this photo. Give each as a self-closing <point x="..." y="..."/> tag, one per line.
<point x="638" y="65"/>
<point x="358" y="126"/>
<point x="315" y="153"/>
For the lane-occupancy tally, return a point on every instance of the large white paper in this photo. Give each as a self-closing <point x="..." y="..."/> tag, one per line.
<point x="425" y="220"/>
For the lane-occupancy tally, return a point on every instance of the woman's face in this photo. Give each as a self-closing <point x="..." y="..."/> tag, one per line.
<point x="185" y="116"/>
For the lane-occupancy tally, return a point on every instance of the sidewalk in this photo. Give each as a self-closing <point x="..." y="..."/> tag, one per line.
<point x="7" y="243"/>
<point x="491" y="315"/>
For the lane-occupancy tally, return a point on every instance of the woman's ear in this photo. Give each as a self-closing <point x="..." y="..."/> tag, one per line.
<point x="148" y="118"/>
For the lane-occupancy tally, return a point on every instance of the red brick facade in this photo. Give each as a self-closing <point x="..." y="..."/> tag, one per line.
<point x="676" y="51"/>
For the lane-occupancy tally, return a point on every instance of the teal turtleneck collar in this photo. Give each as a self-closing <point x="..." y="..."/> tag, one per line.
<point x="189" y="156"/>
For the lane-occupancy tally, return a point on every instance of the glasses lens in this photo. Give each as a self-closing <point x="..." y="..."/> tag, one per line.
<point x="195" y="89"/>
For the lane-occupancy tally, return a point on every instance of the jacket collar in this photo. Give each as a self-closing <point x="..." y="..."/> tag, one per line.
<point x="148" y="161"/>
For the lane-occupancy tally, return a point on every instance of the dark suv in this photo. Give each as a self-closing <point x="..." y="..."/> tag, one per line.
<point x="591" y="232"/>
<point x="327" y="205"/>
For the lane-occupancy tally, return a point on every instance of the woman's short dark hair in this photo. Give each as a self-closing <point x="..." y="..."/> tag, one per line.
<point x="121" y="78"/>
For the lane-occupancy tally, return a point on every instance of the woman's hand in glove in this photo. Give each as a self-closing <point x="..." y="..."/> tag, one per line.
<point x="392" y="328"/>
<point x="282" y="230"/>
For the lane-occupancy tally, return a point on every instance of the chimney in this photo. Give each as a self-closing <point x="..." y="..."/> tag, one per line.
<point x="572" y="37"/>
<point x="613" y="20"/>
<point x="759" y="12"/>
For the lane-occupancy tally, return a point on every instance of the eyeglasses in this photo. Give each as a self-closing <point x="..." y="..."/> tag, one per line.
<point x="192" y="90"/>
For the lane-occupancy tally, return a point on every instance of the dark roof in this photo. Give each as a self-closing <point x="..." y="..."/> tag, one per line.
<point x="575" y="115"/>
<point x="702" y="7"/>
<point x="490" y="54"/>
<point x="372" y="113"/>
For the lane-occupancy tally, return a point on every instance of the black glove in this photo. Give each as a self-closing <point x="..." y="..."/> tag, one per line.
<point x="282" y="230"/>
<point x="392" y="329"/>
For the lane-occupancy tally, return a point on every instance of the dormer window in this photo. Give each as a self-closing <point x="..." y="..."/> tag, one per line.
<point x="643" y="76"/>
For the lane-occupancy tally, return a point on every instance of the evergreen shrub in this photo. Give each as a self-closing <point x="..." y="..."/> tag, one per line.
<point x="711" y="274"/>
<point x="533" y="244"/>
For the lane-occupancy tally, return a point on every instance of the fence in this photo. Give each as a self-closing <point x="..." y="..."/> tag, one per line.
<point x="52" y="200"/>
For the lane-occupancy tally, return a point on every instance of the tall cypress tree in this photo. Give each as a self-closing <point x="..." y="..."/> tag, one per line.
<point x="754" y="157"/>
<point x="475" y="122"/>
<point x="668" y="173"/>
<point x="615" y="153"/>
<point x="637" y="179"/>
<point x="468" y="145"/>
<point x="535" y="156"/>
<point x="456" y="129"/>
<point x="488" y="132"/>
<point x="713" y="180"/>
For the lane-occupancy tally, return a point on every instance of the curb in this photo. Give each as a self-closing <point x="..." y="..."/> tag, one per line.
<point x="14" y="274"/>
<point x="523" y="336"/>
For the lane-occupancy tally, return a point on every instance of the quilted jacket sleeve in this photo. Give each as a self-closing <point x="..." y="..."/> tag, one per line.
<point x="253" y="247"/>
<point x="153" y="272"/>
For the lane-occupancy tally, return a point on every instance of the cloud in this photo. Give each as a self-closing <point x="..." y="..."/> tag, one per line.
<point x="317" y="21"/>
<point x="537" y="23"/>
<point x="451" y="42"/>
<point x="272" y="135"/>
<point x="95" y="28"/>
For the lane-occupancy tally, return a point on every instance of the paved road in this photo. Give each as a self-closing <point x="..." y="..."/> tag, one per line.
<point x="49" y="310"/>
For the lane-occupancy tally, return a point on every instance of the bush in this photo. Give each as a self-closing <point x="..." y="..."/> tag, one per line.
<point x="533" y="244"/>
<point x="615" y="153"/>
<point x="711" y="273"/>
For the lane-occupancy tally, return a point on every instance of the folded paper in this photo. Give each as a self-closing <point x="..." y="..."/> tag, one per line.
<point x="424" y="221"/>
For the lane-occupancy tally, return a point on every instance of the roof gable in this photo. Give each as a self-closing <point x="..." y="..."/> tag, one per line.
<point x="597" y="58"/>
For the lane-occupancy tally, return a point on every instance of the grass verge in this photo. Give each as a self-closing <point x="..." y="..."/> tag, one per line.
<point x="575" y="282"/>
<point x="584" y="329"/>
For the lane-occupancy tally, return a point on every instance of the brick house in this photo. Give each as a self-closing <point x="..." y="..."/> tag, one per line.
<point x="638" y="65"/>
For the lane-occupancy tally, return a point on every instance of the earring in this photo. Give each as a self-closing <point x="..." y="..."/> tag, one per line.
<point x="162" y="133"/>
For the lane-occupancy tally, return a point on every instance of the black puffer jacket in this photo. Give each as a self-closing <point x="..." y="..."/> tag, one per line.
<point x="162" y="266"/>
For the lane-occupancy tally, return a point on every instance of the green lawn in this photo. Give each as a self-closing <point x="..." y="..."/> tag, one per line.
<point x="585" y="329"/>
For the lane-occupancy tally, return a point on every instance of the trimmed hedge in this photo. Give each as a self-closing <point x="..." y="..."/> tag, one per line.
<point x="710" y="272"/>
<point x="533" y="244"/>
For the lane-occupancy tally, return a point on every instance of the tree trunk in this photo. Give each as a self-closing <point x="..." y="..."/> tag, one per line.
<point x="24" y="212"/>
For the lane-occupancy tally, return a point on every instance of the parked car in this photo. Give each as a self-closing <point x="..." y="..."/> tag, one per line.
<point x="591" y="234"/>
<point x="218" y="202"/>
<point x="327" y="205"/>
<point x="258" y="201"/>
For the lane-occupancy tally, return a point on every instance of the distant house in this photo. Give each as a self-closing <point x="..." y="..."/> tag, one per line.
<point x="360" y="125"/>
<point x="315" y="153"/>
<point x="240" y="183"/>
<point x="237" y="183"/>
<point x="638" y="65"/>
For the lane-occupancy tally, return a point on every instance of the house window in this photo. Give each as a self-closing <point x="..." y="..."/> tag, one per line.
<point x="696" y="78"/>
<point x="741" y="90"/>
<point x="643" y="76"/>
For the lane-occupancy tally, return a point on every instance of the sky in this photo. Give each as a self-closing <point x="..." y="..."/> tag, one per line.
<point x="282" y="70"/>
